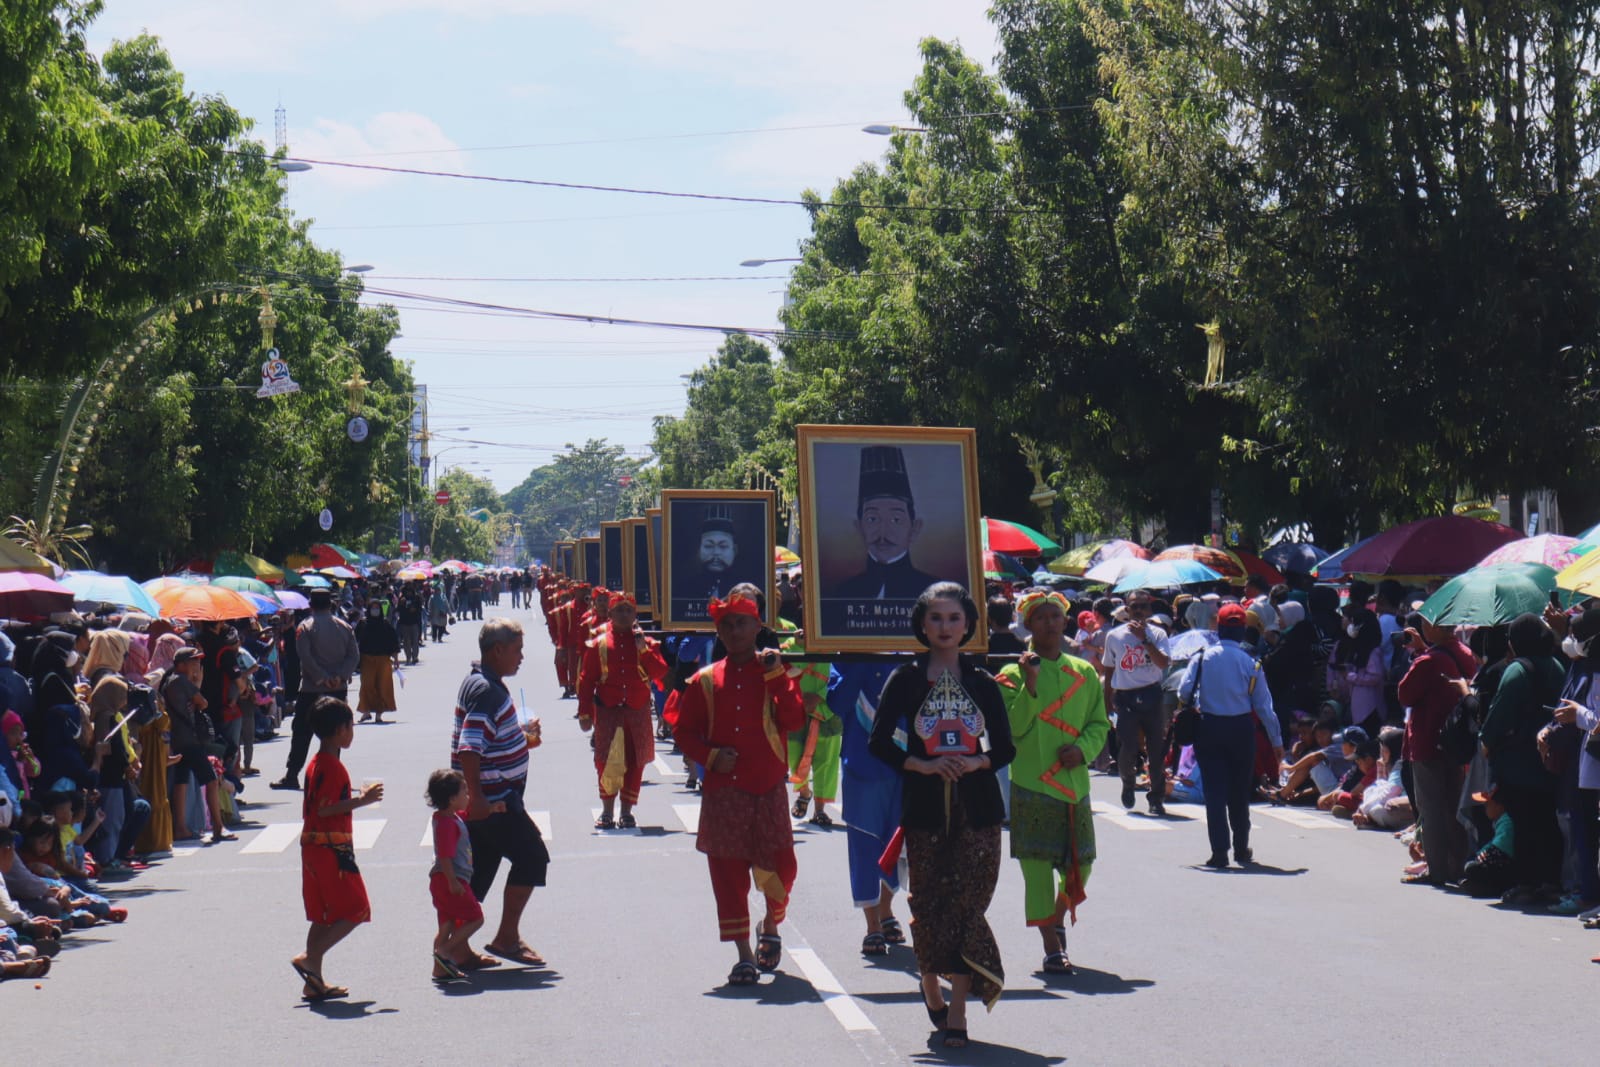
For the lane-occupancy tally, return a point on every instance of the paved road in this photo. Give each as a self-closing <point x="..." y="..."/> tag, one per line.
<point x="1322" y="958"/>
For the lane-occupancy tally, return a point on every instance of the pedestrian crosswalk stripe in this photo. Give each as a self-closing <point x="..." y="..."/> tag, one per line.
<point x="1305" y="820"/>
<point x="275" y="837"/>
<point x="541" y="819"/>
<point x="689" y="816"/>
<point x="1129" y="821"/>
<point x="594" y="813"/>
<point x="662" y="767"/>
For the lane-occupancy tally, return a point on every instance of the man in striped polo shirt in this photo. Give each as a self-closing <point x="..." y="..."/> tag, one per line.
<point x="490" y="749"/>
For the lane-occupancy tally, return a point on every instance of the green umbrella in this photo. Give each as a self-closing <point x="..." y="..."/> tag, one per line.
<point x="1491" y="595"/>
<point x="245" y="585"/>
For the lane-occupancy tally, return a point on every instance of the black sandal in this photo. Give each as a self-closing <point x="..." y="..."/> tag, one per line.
<point x="605" y="822"/>
<point x="627" y="822"/>
<point x="892" y="931"/>
<point x="800" y="808"/>
<point x="1057" y="963"/>
<point x="874" y="945"/>
<point x="744" y="973"/>
<point x="954" y="1038"/>
<point x="937" y="1017"/>
<point x="821" y="819"/>
<point x="769" y="951"/>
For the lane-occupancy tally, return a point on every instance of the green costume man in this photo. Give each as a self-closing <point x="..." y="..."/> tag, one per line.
<point x="1057" y="710"/>
<point x="813" y="751"/>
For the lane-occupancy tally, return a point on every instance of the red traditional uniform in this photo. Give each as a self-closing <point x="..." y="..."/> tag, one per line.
<point x="744" y="814"/>
<point x="614" y="689"/>
<point x="330" y="882"/>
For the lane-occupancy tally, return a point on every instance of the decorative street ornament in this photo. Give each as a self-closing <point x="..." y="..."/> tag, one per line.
<point x="355" y="389"/>
<point x="358" y="429"/>
<point x="325" y="520"/>
<point x="275" y="379"/>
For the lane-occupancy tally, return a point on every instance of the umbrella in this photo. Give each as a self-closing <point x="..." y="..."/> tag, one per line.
<point x="265" y="605"/>
<point x="1002" y="535"/>
<point x="25" y="595"/>
<point x="1224" y="562"/>
<point x="1331" y="569"/>
<point x="1444" y="545"/>
<point x="1113" y="570"/>
<point x="1582" y="576"/>
<point x="452" y="565"/>
<point x="1083" y="558"/>
<point x="1003" y="567"/>
<point x="1167" y="574"/>
<point x="169" y="581"/>
<point x="205" y="602"/>
<point x="292" y="601"/>
<point x="1553" y="550"/>
<point x="313" y="581"/>
<point x="244" y="585"/>
<point x="344" y="574"/>
<point x="414" y="574"/>
<point x="1257" y="567"/>
<point x="324" y="554"/>
<point x="244" y="565"/>
<point x="92" y="587"/>
<point x="784" y="556"/>
<point x="1294" y="557"/>
<point x="1491" y="595"/>
<point x="1189" y="644"/>
<point x="13" y="557"/>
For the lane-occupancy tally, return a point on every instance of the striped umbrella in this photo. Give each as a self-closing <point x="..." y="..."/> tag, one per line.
<point x="1081" y="559"/>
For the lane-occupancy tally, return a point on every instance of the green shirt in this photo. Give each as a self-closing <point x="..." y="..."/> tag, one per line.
<point x="1070" y="709"/>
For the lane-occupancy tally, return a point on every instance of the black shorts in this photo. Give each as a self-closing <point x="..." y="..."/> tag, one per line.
<point x="194" y="761"/>
<point x="510" y="835"/>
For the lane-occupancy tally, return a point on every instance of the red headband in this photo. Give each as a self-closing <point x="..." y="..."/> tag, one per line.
<point x="624" y="598"/>
<point x="734" y="605"/>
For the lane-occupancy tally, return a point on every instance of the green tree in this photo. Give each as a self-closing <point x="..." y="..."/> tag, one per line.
<point x="575" y="492"/>
<point x="728" y="412"/>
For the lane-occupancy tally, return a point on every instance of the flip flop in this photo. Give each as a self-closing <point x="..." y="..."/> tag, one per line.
<point x="769" y="952"/>
<point x="627" y="822"/>
<point x="332" y="992"/>
<point x="1057" y="963"/>
<point x="452" y="973"/>
<point x="800" y="808"/>
<point x="320" y="990"/>
<point x="744" y="973"/>
<point x="604" y="822"/>
<point x="524" y="956"/>
<point x="892" y="931"/>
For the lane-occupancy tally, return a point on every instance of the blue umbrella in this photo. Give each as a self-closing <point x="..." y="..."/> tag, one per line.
<point x="314" y="581"/>
<point x="265" y="605"/>
<point x="1331" y="568"/>
<point x="1167" y="574"/>
<point x="1294" y="556"/>
<point x="92" y="587"/>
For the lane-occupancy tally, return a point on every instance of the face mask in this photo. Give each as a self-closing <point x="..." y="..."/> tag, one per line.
<point x="1352" y="629"/>
<point x="1574" y="648"/>
<point x="72" y="658"/>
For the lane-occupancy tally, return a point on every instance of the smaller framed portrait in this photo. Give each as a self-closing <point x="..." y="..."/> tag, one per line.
<point x="611" y="555"/>
<point x="886" y="511"/>
<point x="652" y="527"/>
<point x="588" y="556"/>
<point x="711" y="541"/>
<point x="561" y="558"/>
<point x="636" y="562"/>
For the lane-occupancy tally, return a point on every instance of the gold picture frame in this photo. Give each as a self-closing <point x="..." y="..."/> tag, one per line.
<point x="587" y="555"/>
<point x="652" y="523"/>
<point x="636" y="559"/>
<point x="745" y="521"/>
<point x="853" y="601"/>
<point x="561" y="553"/>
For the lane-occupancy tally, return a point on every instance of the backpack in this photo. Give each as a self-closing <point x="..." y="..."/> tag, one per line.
<point x="1458" y="739"/>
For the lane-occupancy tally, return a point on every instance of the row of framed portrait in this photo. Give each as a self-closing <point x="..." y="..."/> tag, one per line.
<point x="885" y="512"/>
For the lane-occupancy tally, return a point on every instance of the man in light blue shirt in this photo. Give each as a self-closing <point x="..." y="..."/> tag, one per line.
<point x="1232" y="697"/>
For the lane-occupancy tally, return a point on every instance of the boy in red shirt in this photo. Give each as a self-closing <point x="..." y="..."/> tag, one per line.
<point x="734" y="719"/>
<point x="335" y="896"/>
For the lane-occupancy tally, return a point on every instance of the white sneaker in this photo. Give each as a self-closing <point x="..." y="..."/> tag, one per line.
<point x="1592" y="913"/>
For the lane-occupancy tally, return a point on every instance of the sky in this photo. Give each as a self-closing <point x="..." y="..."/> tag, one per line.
<point x="711" y="96"/>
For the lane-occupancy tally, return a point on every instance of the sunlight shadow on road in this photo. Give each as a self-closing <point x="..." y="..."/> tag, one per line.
<point x="983" y="1052"/>
<point x="348" y="1009"/>
<point x="496" y="979"/>
<point x="1088" y="982"/>
<point x="783" y="989"/>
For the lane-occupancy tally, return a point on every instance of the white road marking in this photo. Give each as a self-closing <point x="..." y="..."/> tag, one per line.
<point x="541" y="819"/>
<point x="1129" y="821"/>
<point x="273" y="838"/>
<point x="662" y="767"/>
<point x="689" y="816"/>
<point x="1305" y="820"/>
<point x="841" y="1004"/>
<point x="366" y="831"/>
<point x="178" y="851"/>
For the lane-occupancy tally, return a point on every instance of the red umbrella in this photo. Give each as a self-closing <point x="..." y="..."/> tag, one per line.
<point x="1254" y="564"/>
<point x="1442" y="546"/>
<point x="25" y="595"/>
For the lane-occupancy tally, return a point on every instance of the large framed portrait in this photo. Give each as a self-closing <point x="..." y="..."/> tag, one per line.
<point x="588" y="556"/>
<point x="561" y="558"/>
<point x="886" y="511"/>
<point x="611" y="555"/>
<point x="713" y="540"/>
<point x="636" y="563"/>
<point x="569" y="558"/>
<point x="652" y="526"/>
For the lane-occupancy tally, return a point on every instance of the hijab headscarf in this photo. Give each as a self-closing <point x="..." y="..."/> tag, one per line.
<point x="107" y="651"/>
<point x="53" y="680"/>
<point x="167" y="645"/>
<point x="136" y="663"/>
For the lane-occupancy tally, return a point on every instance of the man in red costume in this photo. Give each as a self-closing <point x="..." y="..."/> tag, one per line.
<point x="614" y="698"/>
<point x="571" y="635"/>
<point x="734" y="718"/>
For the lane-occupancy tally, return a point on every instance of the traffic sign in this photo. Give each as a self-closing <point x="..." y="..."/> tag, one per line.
<point x="405" y="546"/>
<point x="442" y="497"/>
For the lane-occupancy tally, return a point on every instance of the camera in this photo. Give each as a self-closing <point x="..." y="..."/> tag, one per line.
<point x="142" y="705"/>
